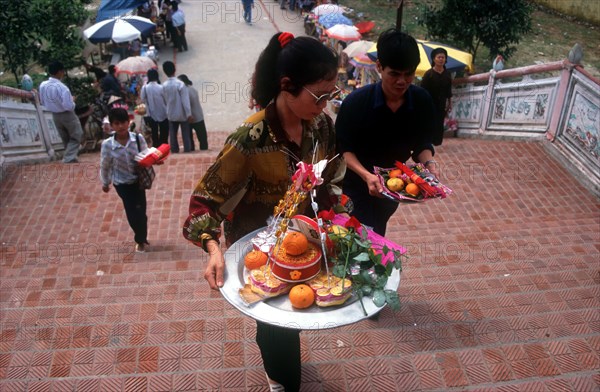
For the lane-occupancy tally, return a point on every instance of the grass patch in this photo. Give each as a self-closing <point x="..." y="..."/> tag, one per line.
<point x="551" y="37"/>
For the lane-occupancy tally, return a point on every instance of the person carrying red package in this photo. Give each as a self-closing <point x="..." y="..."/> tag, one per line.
<point x="118" y="166"/>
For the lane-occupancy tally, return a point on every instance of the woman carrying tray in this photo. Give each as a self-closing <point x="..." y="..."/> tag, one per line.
<point x="293" y="80"/>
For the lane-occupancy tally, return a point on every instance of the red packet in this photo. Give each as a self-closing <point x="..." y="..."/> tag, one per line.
<point x="153" y="155"/>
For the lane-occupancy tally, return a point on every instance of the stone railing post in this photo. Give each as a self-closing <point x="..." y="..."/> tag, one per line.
<point x="561" y="97"/>
<point x="43" y="124"/>
<point x="487" y="102"/>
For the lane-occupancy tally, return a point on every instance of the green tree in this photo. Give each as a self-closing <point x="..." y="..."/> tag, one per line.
<point x="42" y="31"/>
<point x="59" y="29"/>
<point x="495" y="24"/>
<point x="18" y="37"/>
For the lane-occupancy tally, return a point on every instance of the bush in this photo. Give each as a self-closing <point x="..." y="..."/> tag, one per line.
<point x="82" y="89"/>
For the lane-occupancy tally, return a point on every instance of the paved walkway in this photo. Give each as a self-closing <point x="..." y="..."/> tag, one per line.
<point x="501" y="291"/>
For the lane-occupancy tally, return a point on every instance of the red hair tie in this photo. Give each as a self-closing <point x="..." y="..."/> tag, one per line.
<point x="285" y="38"/>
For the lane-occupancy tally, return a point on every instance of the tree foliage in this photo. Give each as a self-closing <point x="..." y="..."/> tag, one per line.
<point x="18" y="41"/>
<point x="495" y="24"/>
<point x="41" y="31"/>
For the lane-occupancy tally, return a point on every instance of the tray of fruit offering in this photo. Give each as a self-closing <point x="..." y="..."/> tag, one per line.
<point x="286" y="290"/>
<point x="411" y="183"/>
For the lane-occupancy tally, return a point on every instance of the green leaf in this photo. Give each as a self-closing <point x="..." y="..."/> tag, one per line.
<point x="339" y="271"/>
<point x="379" y="298"/>
<point x="363" y="256"/>
<point x="381" y="281"/>
<point x="380" y="269"/>
<point x="392" y="298"/>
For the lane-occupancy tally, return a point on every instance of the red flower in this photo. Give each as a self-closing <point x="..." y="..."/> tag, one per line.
<point x="344" y="199"/>
<point x="326" y="215"/>
<point x="352" y="222"/>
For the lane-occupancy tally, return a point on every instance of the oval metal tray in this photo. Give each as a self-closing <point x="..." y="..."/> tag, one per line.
<point x="278" y="311"/>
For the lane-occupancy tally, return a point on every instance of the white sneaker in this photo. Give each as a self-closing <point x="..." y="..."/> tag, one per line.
<point x="140" y="248"/>
<point x="274" y="386"/>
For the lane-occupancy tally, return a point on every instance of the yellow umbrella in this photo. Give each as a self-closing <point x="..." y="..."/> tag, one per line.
<point x="457" y="59"/>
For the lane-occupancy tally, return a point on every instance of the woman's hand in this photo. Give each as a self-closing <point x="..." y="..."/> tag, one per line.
<point x="216" y="265"/>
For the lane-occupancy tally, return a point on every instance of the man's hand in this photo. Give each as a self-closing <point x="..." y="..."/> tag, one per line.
<point x="374" y="185"/>
<point x="216" y="265"/>
<point x="191" y="119"/>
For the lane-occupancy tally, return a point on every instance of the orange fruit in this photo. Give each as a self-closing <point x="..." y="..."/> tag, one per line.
<point x="395" y="173"/>
<point x="295" y="243"/>
<point x="395" y="184"/>
<point x="301" y="296"/>
<point x="255" y="259"/>
<point x="412" y="189"/>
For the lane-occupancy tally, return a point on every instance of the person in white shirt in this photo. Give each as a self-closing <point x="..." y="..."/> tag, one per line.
<point x="197" y="113"/>
<point x="57" y="98"/>
<point x="178" y="19"/>
<point x="156" y="109"/>
<point x="179" y="112"/>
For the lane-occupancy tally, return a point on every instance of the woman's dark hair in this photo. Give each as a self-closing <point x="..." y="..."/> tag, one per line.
<point x="397" y="50"/>
<point x="437" y="51"/>
<point x="304" y="60"/>
<point x="152" y="75"/>
<point x="118" y="114"/>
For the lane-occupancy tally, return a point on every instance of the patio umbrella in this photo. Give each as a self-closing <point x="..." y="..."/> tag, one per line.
<point x="136" y="65"/>
<point x="326" y="9"/>
<point x="119" y="29"/>
<point x="343" y="32"/>
<point x="357" y="47"/>
<point x="331" y="20"/>
<point x="363" y="61"/>
<point x="457" y="59"/>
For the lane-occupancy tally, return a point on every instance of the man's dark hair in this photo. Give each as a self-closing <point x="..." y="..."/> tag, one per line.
<point x="112" y="69"/>
<point x="117" y="114"/>
<point x="169" y="68"/>
<point x="398" y="50"/>
<point x="55" y="67"/>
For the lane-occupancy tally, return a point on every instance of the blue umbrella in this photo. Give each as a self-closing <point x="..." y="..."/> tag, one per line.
<point x="331" y="20"/>
<point x="124" y="29"/>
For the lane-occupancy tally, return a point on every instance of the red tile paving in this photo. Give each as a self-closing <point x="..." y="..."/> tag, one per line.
<point x="501" y="291"/>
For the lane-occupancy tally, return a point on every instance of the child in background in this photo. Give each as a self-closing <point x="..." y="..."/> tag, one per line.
<point x="118" y="166"/>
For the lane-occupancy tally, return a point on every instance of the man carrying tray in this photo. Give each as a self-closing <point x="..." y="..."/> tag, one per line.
<point x="385" y="122"/>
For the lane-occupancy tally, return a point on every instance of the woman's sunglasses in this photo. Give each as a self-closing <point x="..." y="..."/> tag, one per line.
<point x="325" y="97"/>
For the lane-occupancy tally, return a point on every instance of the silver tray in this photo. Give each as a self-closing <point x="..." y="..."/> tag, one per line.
<point x="278" y="311"/>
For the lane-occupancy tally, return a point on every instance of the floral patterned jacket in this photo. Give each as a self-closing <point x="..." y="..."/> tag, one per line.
<point x="252" y="173"/>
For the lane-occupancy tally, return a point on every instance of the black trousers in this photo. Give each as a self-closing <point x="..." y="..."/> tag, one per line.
<point x="180" y="41"/>
<point x="280" y="350"/>
<point x="371" y="211"/>
<point x="200" y="129"/>
<point x="134" y="201"/>
<point x="160" y="131"/>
